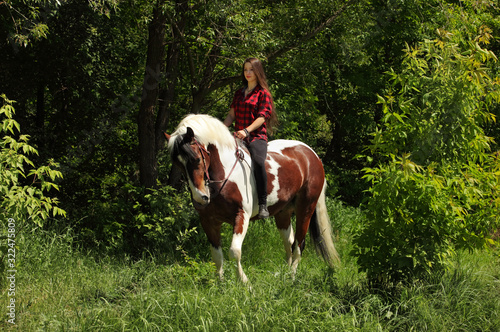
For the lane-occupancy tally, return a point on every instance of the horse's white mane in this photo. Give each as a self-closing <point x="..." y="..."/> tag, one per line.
<point x="207" y="130"/>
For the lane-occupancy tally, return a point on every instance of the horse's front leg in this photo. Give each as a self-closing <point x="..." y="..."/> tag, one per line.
<point x="212" y="229"/>
<point x="218" y="259"/>
<point x="239" y="231"/>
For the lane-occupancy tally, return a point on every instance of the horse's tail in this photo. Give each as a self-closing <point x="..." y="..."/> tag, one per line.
<point x="321" y="232"/>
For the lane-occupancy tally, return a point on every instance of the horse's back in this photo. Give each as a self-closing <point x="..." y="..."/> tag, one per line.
<point x="281" y="144"/>
<point x="295" y="166"/>
<point x="294" y="150"/>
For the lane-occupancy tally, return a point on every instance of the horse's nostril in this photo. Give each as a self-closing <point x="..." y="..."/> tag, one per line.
<point x="205" y="198"/>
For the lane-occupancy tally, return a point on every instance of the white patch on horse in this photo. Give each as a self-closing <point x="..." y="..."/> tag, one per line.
<point x="218" y="259"/>
<point x="198" y="194"/>
<point x="277" y="146"/>
<point x="280" y="144"/>
<point x="240" y="176"/>
<point x="272" y="197"/>
<point x="288" y="237"/>
<point x="235" y="249"/>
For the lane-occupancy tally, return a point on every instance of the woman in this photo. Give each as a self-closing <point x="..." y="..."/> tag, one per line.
<point x="252" y="110"/>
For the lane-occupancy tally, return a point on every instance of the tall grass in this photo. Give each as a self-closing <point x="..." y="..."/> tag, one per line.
<point x="63" y="288"/>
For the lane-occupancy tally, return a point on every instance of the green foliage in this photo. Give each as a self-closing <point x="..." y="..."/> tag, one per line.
<point x="23" y="193"/>
<point x="167" y="217"/>
<point x="443" y="99"/>
<point x="127" y="218"/>
<point x="442" y="193"/>
<point x="78" y="89"/>
<point x="20" y="201"/>
<point x="25" y="21"/>
<point x="63" y="287"/>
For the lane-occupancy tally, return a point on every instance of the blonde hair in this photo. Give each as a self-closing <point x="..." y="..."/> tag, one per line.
<point x="207" y="130"/>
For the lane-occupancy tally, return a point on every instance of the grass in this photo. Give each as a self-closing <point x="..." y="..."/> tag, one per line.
<point x="60" y="288"/>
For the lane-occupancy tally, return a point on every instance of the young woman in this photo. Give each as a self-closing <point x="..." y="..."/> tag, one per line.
<point x="253" y="112"/>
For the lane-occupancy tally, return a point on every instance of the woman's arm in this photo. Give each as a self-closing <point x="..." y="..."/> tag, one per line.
<point x="255" y="125"/>
<point x="229" y="118"/>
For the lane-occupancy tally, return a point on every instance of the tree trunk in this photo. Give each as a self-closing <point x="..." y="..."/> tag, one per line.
<point x="168" y="92"/>
<point x="148" y="163"/>
<point x="40" y="115"/>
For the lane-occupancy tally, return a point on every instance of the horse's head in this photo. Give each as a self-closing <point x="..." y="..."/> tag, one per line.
<point x="194" y="158"/>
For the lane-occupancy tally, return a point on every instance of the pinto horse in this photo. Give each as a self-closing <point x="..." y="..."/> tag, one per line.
<point x="219" y="172"/>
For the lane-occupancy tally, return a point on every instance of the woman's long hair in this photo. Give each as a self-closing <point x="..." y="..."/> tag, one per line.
<point x="258" y="69"/>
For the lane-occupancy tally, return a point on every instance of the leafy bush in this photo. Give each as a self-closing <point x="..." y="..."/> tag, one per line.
<point x="416" y="218"/>
<point x="23" y="194"/>
<point x="437" y="186"/>
<point x="130" y="219"/>
<point x="166" y="217"/>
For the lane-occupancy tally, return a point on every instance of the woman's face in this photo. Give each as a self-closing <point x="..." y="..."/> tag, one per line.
<point x="248" y="72"/>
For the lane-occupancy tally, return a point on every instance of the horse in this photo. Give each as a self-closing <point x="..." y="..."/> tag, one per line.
<point x="218" y="169"/>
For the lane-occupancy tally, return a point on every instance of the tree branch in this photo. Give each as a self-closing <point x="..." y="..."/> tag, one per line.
<point x="276" y="54"/>
<point x="186" y="46"/>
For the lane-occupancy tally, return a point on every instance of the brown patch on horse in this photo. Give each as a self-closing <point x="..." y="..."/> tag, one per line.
<point x="238" y="222"/>
<point x="225" y="205"/>
<point x="296" y="191"/>
<point x="224" y="208"/>
<point x="216" y="173"/>
<point x="212" y="228"/>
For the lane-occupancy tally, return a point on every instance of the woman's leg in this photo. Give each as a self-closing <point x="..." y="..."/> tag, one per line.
<point x="258" y="151"/>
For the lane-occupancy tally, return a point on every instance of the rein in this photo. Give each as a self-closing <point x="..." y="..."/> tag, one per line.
<point x="239" y="157"/>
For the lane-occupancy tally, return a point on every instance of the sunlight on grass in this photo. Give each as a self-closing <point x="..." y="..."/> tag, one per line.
<point x="63" y="288"/>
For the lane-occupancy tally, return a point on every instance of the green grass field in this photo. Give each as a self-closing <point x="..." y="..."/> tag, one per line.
<point x="60" y="287"/>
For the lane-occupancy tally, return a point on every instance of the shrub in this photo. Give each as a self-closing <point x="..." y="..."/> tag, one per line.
<point x="437" y="185"/>
<point x="23" y="194"/>
<point x="125" y="218"/>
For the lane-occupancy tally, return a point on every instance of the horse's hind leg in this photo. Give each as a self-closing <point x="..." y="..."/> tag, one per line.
<point x="304" y="211"/>
<point x="239" y="232"/>
<point x="284" y="225"/>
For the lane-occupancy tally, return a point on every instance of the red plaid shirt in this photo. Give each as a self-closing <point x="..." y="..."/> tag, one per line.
<point x="247" y="109"/>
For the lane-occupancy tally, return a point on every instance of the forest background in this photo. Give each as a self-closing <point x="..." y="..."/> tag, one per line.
<point x="398" y="98"/>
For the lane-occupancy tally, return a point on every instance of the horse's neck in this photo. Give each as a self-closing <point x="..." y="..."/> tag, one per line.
<point x="228" y="158"/>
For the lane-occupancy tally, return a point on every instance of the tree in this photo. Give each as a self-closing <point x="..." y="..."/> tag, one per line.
<point x="25" y="21"/>
<point x="147" y="130"/>
<point x="436" y="188"/>
<point x="211" y="47"/>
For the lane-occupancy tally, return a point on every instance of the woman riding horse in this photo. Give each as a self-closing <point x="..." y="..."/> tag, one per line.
<point x="223" y="189"/>
<point x="253" y="112"/>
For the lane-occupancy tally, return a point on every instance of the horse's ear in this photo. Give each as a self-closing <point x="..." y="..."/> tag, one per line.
<point x="167" y="136"/>
<point x="190" y="133"/>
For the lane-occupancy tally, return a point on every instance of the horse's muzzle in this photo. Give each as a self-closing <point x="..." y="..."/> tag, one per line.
<point x="201" y="202"/>
<point x="199" y="206"/>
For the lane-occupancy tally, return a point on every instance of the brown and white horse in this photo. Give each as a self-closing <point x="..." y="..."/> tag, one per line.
<point x="218" y="170"/>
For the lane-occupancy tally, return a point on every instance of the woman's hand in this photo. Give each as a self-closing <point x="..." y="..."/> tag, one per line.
<point x="241" y="134"/>
<point x="244" y="133"/>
